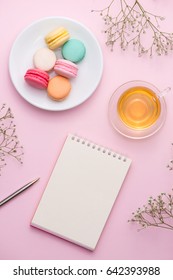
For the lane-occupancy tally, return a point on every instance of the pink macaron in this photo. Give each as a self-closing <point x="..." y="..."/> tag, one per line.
<point x="66" y="68"/>
<point x="37" y="78"/>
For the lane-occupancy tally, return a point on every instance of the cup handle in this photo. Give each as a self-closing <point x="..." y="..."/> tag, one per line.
<point x="164" y="92"/>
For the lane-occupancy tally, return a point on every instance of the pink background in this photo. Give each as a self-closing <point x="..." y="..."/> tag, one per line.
<point x="42" y="134"/>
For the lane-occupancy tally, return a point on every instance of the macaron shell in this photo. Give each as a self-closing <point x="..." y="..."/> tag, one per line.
<point x="65" y="73"/>
<point x="57" y="38"/>
<point x="58" y="88"/>
<point x="73" y="50"/>
<point x="44" y="59"/>
<point x="66" y="68"/>
<point x="37" y="78"/>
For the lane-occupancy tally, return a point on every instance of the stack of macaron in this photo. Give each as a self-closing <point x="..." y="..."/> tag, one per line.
<point x="64" y="68"/>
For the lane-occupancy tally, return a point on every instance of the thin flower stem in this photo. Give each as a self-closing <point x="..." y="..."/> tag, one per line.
<point x="130" y="23"/>
<point x="9" y="144"/>
<point x="157" y="213"/>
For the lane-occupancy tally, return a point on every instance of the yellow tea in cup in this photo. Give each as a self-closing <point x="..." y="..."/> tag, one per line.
<point x="138" y="107"/>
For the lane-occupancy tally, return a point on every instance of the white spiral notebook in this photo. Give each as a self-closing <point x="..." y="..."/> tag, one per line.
<point x="81" y="192"/>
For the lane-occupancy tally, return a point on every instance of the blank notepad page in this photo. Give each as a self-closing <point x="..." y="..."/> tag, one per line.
<point x="81" y="191"/>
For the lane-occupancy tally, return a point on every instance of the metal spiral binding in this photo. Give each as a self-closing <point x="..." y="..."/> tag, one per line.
<point x="98" y="148"/>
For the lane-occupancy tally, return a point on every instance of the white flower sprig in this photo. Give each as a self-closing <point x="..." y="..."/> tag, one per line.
<point x="158" y="212"/>
<point x="9" y="144"/>
<point x="170" y="164"/>
<point x="130" y="24"/>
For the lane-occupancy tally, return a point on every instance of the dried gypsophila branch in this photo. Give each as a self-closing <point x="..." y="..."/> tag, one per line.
<point x="9" y="144"/>
<point x="129" y="26"/>
<point x="170" y="164"/>
<point x="157" y="213"/>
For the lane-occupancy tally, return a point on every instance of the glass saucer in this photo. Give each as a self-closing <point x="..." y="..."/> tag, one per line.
<point x="126" y="130"/>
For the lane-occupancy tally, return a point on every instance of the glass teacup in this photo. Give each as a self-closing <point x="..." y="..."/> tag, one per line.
<point x="137" y="109"/>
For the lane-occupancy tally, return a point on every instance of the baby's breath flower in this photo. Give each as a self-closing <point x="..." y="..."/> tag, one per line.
<point x="158" y="212"/>
<point x="9" y="144"/>
<point x="128" y="24"/>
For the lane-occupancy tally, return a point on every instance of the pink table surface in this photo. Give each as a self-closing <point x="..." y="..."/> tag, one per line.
<point x="42" y="134"/>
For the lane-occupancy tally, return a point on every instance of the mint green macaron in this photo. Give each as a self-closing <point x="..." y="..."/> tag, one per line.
<point x="73" y="50"/>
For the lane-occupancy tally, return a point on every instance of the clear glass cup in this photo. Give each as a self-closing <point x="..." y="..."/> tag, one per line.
<point x="137" y="109"/>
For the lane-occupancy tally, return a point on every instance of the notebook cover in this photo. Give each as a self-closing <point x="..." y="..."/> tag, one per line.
<point x="81" y="191"/>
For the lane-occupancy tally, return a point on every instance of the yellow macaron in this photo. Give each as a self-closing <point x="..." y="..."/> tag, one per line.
<point x="57" y="38"/>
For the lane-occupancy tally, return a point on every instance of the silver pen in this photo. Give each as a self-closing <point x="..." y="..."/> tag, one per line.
<point x="18" y="191"/>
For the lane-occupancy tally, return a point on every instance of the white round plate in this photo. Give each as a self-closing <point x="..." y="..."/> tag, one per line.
<point x="31" y="39"/>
